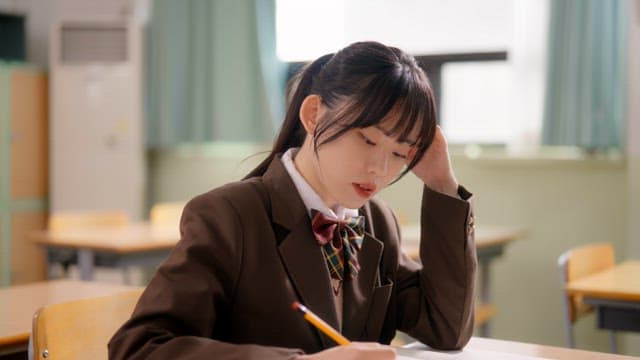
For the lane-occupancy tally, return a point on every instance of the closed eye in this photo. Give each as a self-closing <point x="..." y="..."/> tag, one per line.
<point x="366" y="139"/>
<point x="404" y="157"/>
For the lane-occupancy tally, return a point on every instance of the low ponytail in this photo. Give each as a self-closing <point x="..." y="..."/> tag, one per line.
<point x="292" y="133"/>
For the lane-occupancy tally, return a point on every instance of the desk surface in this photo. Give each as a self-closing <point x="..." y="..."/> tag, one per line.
<point x="123" y="239"/>
<point x="484" y="348"/>
<point x="535" y="350"/>
<point x="146" y="237"/>
<point x="19" y="303"/>
<point x="622" y="282"/>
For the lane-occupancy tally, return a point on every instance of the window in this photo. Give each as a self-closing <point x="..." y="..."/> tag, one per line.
<point x="480" y="102"/>
<point x="475" y="96"/>
<point x="308" y="29"/>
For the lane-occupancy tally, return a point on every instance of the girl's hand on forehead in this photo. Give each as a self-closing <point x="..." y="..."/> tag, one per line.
<point x="434" y="169"/>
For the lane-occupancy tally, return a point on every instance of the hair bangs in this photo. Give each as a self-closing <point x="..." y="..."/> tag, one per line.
<point x="365" y="84"/>
<point x="370" y="107"/>
<point x="418" y="112"/>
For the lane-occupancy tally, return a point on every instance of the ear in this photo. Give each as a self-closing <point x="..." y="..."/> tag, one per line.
<point x="310" y="112"/>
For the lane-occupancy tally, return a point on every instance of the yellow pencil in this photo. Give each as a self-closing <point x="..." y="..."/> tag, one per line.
<point x="320" y="324"/>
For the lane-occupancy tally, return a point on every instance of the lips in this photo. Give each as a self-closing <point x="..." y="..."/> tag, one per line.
<point x="365" y="190"/>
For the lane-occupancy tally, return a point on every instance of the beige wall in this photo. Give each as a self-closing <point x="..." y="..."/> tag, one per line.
<point x="633" y="128"/>
<point x="633" y="148"/>
<point x="182" y="173"/>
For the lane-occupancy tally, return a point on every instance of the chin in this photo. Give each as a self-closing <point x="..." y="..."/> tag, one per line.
<point x="354" y="204"/>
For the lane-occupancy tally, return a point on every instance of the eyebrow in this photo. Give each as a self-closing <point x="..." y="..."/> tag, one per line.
<point x="388" y="133"/>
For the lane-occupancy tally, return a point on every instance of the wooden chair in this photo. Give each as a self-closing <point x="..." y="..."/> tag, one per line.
<point x="167" y="213"/>
<point x="66" y="220"/>
<point x="80" y="329"/>
<point x="575" y="264"/>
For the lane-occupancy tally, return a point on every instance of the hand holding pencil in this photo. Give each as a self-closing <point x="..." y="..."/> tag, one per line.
<point x="347" y="350"/>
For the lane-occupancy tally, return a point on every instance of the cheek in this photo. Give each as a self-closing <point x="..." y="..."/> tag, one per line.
<point x="396" y="166"/>
<point x="338" y="166"/>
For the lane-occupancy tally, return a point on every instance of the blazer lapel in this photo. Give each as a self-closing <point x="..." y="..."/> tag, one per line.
<point x="300" y="254"/>
<point x="308" y="271"/>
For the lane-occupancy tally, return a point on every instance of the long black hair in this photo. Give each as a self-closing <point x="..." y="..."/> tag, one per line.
<point x="367" y="81"/>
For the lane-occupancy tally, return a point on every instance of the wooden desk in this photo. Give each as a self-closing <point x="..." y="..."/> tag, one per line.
<point x="615" y="294"/>
<point x="140" y="244"/>
<point x="19" y="303"/>
<point x="483" y="348"/>
<point x="490" y="243"/>
<point x="144" y="244"/>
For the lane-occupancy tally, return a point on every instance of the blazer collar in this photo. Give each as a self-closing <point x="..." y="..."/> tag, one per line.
<point x="305" y="263"/>
<point x="287" y="207"/>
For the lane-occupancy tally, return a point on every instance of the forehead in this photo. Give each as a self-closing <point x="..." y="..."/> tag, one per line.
<point x="388" y="124"/>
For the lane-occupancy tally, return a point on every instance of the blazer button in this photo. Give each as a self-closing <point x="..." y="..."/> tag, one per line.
<point x="472" y="225"/>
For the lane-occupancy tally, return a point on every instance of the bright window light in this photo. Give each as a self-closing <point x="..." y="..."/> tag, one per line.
<point x="308" y="29"/>
<point x="475" y="102"/>
<point x="482" y="102"/>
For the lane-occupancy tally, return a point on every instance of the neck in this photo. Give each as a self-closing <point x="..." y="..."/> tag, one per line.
<point x="307" y="164"/>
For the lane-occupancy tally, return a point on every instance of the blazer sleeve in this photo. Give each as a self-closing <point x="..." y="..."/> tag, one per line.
<point x="436" y="300"/>
<point x="181" y="313"/>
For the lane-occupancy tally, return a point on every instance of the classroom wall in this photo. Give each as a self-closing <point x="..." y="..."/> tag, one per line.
<point x="182" y="173"/>
<point x="38" y="18"/>
<point x="633" y="149"/>
<point x="633" y="128"/>
<point x="40" y="14"/>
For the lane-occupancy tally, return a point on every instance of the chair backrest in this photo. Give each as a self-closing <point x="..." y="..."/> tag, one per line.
<point x="76" y="219"/>
<point x="167" y="213"/>
<point x="580" y="262"/>
<point x="80" y="329"/>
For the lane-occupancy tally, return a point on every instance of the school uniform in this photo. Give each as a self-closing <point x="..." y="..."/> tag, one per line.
<point x="247" y="252"/>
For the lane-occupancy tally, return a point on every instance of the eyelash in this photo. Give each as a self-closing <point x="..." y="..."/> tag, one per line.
<point x="371" y="143"/>
<point x="366" y="140"/>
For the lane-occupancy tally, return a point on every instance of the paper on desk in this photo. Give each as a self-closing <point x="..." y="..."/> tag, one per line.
<point x="470" y="354"/>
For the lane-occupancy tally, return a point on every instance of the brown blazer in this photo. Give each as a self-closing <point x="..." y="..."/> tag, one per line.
<point x="247" y="252"/>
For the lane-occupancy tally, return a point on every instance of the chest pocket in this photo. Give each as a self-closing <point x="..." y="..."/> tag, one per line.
<point x="378" y="311"/>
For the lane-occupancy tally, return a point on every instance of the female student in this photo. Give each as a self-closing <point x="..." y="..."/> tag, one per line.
<point x="305" y="226"/>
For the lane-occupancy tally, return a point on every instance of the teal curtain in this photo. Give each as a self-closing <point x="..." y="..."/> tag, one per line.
<point x="212" y="72"/>
<point x="586" y="77"/>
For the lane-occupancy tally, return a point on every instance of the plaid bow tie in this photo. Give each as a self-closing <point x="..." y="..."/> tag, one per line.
<point x="340" y="240"/>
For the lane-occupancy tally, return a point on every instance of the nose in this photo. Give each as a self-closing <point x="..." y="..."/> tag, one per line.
<point x="378" y="163"/>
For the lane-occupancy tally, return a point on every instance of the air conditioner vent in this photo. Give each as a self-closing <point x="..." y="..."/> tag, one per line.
<point x="93" y="43"/>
